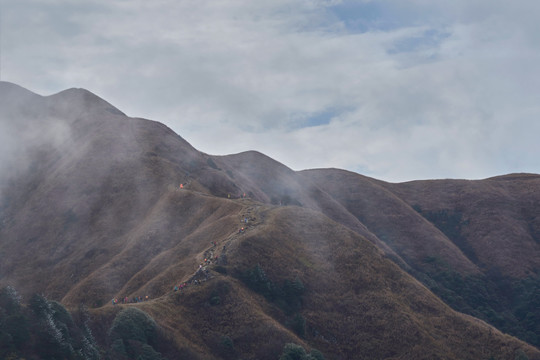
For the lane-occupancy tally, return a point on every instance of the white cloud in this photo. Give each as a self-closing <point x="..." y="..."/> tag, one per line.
<point x="422" y="89"/>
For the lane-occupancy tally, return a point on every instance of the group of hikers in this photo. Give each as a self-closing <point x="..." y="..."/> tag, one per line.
<point x="201" y="275"/>
<point x="180" y="287"/>
<point x="243" y="196"/>
<point x="245" y="220"/>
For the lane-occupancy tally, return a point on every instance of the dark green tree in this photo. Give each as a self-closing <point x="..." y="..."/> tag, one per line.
<point x="296" y="352"/>
<point x="293" y="352"/>
<point x="134" y="333"/>
<point x="133" y="324"/>
<point x="298" y="324"/>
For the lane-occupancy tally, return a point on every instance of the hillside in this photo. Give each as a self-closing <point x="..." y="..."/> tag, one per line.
<point x="474" y="243"/>
<point x="92" y="210"/>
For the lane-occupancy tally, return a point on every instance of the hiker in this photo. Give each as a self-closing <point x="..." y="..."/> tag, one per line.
<point x="181" y="186"/>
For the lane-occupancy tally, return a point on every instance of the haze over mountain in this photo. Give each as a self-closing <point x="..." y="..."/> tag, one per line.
<point x="92" y="209"/>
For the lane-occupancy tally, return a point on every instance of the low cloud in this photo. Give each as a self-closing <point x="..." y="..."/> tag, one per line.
<point x="397" y="90"/>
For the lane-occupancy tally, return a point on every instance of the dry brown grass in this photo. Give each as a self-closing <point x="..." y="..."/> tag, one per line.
<point x="500" y="222"/>
<point x="358" y="304"/>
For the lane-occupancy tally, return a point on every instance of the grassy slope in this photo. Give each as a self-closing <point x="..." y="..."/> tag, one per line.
<point x="394" y="221"/>
<point x="499" y="215"/>
<point x="358" y="303"/>
<point x="492" y="222"/>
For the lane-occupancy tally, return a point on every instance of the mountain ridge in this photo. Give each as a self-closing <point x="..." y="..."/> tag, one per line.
<point x="98" y="203"/>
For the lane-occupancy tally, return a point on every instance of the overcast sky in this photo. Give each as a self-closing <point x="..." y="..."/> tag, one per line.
<point x="394" y="89"/>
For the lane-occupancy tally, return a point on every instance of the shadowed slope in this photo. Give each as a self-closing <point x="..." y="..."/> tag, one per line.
<point x="438" y="226"/>
<point x="499" y="221"/>
<point x="393" y="221"/>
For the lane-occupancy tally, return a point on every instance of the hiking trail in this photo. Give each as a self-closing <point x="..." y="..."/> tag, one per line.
<point x="216" y="254"/>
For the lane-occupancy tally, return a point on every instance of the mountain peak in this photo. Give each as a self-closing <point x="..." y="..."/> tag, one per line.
<point x="73" y="99"/>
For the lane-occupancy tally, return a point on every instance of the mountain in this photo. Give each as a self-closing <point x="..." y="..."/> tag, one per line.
<point x="96" y="205"/>
<point x="474" y="243"/>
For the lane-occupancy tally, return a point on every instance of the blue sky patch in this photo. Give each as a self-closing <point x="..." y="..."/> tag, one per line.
<point x="373" y="16"/>
<point x="428" y="39"/>
<point x="323" y="117"/>
<point x="359" y="17"/>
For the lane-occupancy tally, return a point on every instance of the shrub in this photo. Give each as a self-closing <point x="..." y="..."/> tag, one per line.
<point x="298" y="325"/>
<point x="6" y="343"/>
<point x="89" y="350"/>
<point x="257" y="281"/>
<point x="296" y="352"/>
<point x="133" y="324"/>
<point x="220" y="269"/>
<point x="17" y="327"/>
<point x="39" y="306"/>
<point x="10" y="300"/>
<point x="133" y="332"/>
<point x="288" y="296"/>
<point x="60" y="314"/>
<point x="62" y="319"/>
<point x="118" y="348"/>
<point x="291" y="295"/>
<point x="148" y="353"/>
<point x="227" y="343"/>
<point x="293" y="352"/>
<point x="316" y="355"/>
<point x="219" y="291"/>
<point x="226" y="346"/>
<point x="43" y="327"/>
<point x="215" y="300"/>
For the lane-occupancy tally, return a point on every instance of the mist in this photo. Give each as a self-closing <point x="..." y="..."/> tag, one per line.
<point x="393" y="90"/>
<point x="30" y="132"/>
